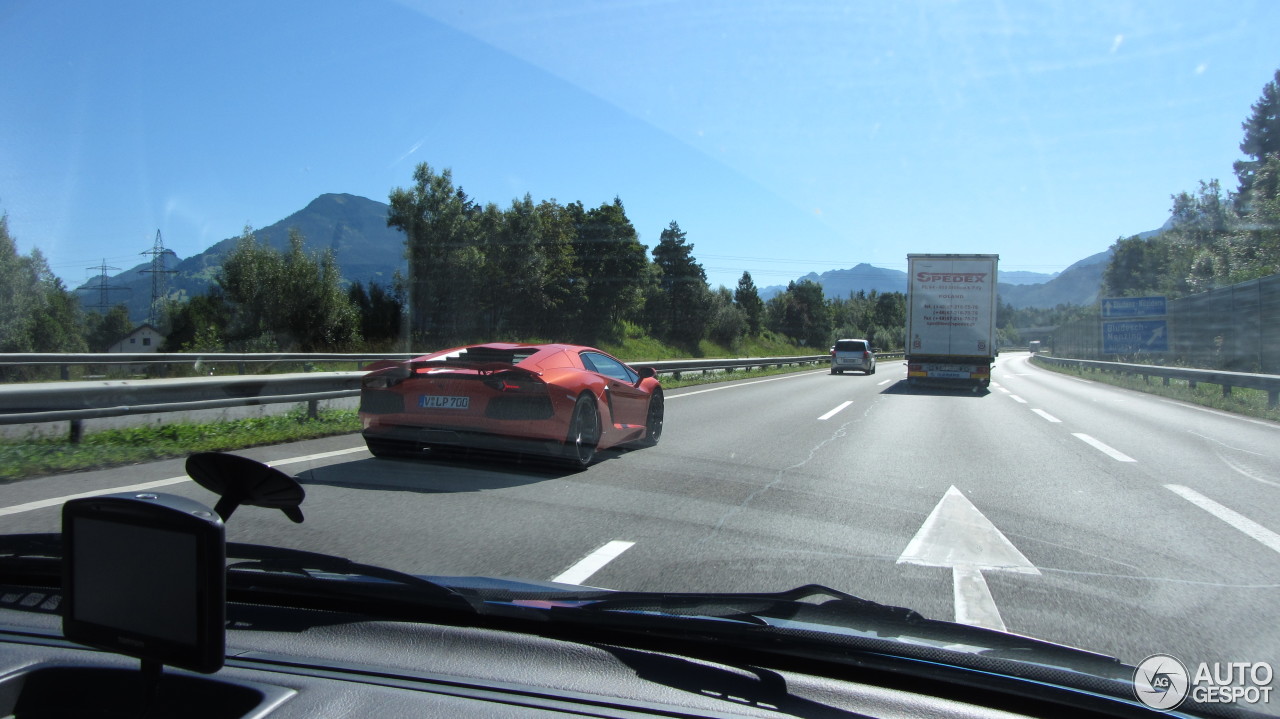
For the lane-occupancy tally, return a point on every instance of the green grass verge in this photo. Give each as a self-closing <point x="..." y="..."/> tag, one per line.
<point x="38" y="457"/>
<point x="1250" y="402"/>
<point x="20" y="459"/>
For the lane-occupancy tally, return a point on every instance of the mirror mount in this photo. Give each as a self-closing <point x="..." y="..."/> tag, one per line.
<point x="240" y="480"/>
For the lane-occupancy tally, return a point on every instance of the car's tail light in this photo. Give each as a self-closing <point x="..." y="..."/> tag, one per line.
<point x="385" y="378"/>
<point x="512" y="382"/>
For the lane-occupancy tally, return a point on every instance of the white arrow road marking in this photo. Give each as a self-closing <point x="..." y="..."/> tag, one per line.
<point x="958" y="536"/>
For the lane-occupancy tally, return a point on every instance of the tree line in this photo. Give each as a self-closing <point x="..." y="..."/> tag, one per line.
<point x="577" y="273"/>
<point x="1215" y="237"/>
<point x="530" y="271"/>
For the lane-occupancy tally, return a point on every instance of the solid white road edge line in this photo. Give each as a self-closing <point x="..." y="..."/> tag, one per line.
<point x="58" y="501"/>
<point x="1115" y="454"/>
<point x="1268" y="538"/>
<point x="742" y="384"/>
<point x="1046" y="415"/>
<point x="592" y="563"/>
<point x="835" y="411"/>
<point x="1220" y="413"/>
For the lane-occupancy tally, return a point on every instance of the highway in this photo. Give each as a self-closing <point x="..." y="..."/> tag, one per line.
<point x="1050" y="506"/>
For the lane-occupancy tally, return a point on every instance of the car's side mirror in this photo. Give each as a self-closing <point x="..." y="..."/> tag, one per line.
<point x="875" y="350"/>
<point x="646" y="372"/>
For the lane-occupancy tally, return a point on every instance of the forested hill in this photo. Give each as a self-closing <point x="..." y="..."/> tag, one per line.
<point x="354" y="227"/>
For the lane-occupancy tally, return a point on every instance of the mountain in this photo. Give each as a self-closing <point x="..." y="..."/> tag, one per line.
<point x="1022" y="277"/>
<point x="865" y="278"/>
<point x="1079" y="284"/>
<point x="840" y="283"/>
<point x="354" y="227"/>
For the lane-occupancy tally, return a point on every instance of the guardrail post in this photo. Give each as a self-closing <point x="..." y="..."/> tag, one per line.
<point x="240" y="367"/>
<point x="1226" y="390"/>
<point x="313" y="408"/>
<point x="1191" y="384"/>
<point x="77" y="431"/>
<point x="64" y="371"/>
<point x="1273" y="399"/>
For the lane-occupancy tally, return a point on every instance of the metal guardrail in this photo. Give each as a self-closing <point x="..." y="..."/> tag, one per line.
<point x="240" y="359"/>
<point x="75" y="402"/>
<point x="1268" y="383"/>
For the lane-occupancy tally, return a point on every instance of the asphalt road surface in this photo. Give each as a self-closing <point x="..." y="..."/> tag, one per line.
<point x="1054" y="507"/>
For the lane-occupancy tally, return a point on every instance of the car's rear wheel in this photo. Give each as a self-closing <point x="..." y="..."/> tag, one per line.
<point x="584" y="434"/>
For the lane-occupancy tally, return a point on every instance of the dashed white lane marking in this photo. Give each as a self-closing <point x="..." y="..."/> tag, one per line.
<point x="1115" y="454"/>
<point x="1046" y="415"/>
<point x="592" y="563"/>
<point x="58" y="501"/>
<point x="1268" y="538"/>
<point x="835" y="411"/>
<point x="885" y="382"/>
<point x="1017" y="399"/>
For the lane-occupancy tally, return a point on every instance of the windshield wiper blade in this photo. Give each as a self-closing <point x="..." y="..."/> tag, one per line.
<point x="263" y="560"/>
<point x="803" y="608"/>
<point x="752" y="607"/>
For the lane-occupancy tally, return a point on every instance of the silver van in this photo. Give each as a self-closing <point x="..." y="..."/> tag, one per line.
<point x="853" y="354"/>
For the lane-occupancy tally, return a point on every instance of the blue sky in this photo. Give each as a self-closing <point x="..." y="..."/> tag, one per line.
<point x="783" y="137"/>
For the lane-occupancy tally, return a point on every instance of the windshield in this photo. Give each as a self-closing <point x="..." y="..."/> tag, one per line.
<point x="638" y="233"/>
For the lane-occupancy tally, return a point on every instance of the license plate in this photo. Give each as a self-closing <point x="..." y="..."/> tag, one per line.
<point x="435" y="401"/>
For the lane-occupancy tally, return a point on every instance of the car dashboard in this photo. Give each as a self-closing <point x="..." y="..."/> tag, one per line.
<point x="284" y="662"/>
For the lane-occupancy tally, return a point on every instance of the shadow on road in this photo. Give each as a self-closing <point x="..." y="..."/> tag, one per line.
<point x="457" y="471"/>
<point x="904" y="387"/>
